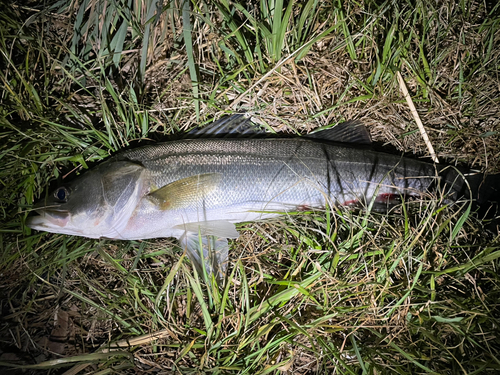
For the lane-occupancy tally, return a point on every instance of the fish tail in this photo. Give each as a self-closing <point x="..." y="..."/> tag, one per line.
<point x="484" y="190"/>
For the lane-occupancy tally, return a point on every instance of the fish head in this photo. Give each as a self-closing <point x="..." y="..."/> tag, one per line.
<point x="97" y="204"/>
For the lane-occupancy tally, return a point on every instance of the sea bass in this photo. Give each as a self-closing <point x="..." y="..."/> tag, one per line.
<point x="196" y="189"/>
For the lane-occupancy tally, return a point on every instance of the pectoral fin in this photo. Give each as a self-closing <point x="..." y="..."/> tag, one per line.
<point x="185" y="192"/>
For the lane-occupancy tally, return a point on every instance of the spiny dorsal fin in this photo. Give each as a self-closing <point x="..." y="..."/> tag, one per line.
<point x="229" y="126"/>
<point x="352" y="131"/>
<point x="185" y="192"/>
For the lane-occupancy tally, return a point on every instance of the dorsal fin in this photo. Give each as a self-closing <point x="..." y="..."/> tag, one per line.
<point x="229" y="126"/>
<point x="352" y="131"/>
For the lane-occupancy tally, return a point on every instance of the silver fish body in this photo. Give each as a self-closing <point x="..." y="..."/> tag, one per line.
<point x="256" y="178"/>
<point x="195" y="187"/>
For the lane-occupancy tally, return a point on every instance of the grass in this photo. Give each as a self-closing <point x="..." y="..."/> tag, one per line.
<point x="415" y="290"/>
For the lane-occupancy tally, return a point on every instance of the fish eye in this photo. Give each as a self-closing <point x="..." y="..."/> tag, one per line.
<point x="61" y="194"/>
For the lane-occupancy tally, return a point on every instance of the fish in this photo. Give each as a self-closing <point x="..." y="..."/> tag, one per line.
<point x="197" y="188"/>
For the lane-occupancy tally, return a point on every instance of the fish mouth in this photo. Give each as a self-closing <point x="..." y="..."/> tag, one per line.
<point x="48" y="217"/>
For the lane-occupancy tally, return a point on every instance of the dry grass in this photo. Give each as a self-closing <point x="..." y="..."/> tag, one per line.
<point x="412" y="291"/>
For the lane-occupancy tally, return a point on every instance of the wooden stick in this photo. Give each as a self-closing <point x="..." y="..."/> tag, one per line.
<point x="404" y="89"/>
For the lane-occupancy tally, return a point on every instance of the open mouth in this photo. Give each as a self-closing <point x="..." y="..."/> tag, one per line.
<point x="48" y="216"/>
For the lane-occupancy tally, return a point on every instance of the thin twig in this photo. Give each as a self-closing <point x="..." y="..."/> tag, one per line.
<point x="404" y="89"/>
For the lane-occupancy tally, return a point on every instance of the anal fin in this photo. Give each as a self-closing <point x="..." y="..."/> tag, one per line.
<point x="208" y="253"/>
<point x="218" y="228"/>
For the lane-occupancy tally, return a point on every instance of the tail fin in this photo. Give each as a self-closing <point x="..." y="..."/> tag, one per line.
<point x="485" y="191"/>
